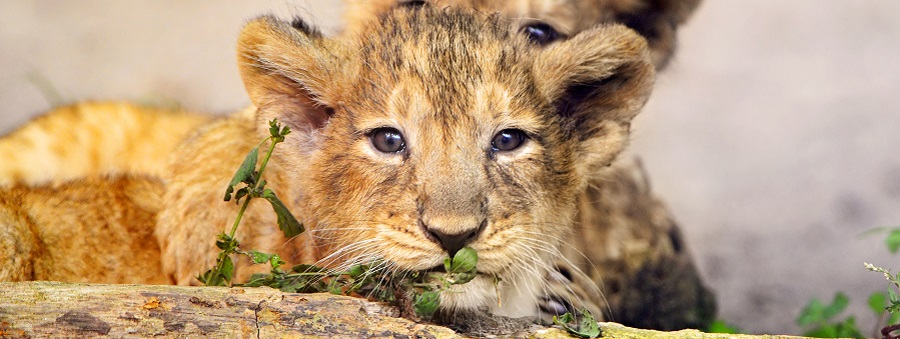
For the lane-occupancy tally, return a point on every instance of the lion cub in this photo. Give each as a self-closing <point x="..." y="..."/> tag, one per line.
<point x="548" y="21"/>
<point x="434" y="130"/>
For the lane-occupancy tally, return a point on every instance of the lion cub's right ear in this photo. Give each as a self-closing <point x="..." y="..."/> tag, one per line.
<point x="290" y="72"/>
<point x="597" y="81"/>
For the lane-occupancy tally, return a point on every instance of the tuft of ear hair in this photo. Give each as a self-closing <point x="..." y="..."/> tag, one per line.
<point x="288" y="70"/>
<point x="597" y="81"/>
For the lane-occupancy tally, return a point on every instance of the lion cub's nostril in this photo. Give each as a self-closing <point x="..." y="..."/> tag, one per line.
<point x="452" y="242"/>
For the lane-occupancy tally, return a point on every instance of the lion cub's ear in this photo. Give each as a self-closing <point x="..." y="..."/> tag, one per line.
<point x="597" y="82"/>
<point x="289" y="71"/>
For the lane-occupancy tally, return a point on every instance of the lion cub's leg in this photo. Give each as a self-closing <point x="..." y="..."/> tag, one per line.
<point x="97" y="230"/>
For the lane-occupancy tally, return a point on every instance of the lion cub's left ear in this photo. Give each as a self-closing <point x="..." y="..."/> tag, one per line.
<point x="290" y="72"/>
<point x="597" y="82"/>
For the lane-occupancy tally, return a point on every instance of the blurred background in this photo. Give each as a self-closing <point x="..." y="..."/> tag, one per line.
<point x="772" y="135"/>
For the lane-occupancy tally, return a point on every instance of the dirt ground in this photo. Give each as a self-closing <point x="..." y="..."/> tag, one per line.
<point x="773" y="135"/>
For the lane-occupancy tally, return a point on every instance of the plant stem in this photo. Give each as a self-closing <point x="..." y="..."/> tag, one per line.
<point x="239" y="216"/>
<point x="266" y="161"/>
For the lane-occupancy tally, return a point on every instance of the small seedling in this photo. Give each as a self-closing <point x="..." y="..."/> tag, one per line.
<point x="818" y="318"/>
<point x="583" y="325"/>
<point x="223" y="272"/>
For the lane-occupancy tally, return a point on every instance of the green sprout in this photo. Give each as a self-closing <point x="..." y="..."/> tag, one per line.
<point x="583" y="325"/>
<point x="254" y="187"/>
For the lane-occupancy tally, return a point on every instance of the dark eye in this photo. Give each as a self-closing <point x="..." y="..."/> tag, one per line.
<point x="541" y="33"/>
<point x="387" y="140"/>
<point x="413" y="4"/>
<point x="508" y="140"/>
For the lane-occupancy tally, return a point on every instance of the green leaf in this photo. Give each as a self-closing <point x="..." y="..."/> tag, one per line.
<point x="584" y="325"/>
<point x="356" y="271"/>
<point x="720" y="326"/>
<point x="464" y="261"/>
<point x="448" y="265"/>
<point x="588" y="325"/>
<point x="877" y="302"/>
<point x="307" y="269"/>
<point x="259" y="257"/>
<point x="244" y="173"/>
<point x="285" y="131"/>
<point x="460" y="278"/>
<point x="893" y="240"/>
<point x="286" y="221"/>
<point x="848" y="329"/>
<point x="241" y="193"/>
<point x="276" y="262"/>
<point x="226" y="243"/>
<point x="258" y="279"/>
<point x="811" y="313"/>
<point x="840" y="302"/>
<point x="227" y="271"/>
<point x="273" y="128"/>
<point x="427" y="303"/>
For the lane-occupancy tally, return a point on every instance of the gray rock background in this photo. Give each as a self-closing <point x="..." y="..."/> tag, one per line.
<point x="772" y="135"/>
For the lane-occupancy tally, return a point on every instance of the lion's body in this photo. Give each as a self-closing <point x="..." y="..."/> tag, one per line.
<point x="93" y="139"/>
<point x="97" y="230"/>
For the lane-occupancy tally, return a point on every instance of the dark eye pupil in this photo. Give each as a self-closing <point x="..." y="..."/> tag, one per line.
<point x="540" y="33"/>
<point x="508" y="140"/>
<point x="387" y="140"/>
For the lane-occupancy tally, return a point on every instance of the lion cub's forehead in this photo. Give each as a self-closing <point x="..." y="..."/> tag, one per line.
<point x="434" y="65"/>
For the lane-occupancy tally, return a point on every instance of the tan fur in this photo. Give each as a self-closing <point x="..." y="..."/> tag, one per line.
<point x="52" y="233"/>
<point x="656" y="20"/>
<point x="449" y="82"/>
<point x="91" y="139"/>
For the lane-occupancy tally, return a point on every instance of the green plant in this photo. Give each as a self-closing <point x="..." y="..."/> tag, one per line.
<point x="369" y="279"/>
<point x="880" y="302"/>
<point x="720" y="326"/>
<point x="254" y="187"/>
<point x="819" y="319"/>
<point x="822" y="320"/>
<point x="583" y="325"/>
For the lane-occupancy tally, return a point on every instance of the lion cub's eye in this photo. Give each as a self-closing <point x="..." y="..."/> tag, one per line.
<point x="413" y="4"/>
<point x="541" y="33"/>
<point x="508" y="140"/>
<point x="387" y="140"/>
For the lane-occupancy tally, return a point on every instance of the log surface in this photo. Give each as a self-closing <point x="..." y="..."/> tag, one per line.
<point x="51" y="309"/>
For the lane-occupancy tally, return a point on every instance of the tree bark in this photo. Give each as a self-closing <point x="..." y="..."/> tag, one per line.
<point x="51" y="309"/>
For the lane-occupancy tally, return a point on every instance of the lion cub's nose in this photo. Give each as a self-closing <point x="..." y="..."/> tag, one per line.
<point x="452" y="242"/>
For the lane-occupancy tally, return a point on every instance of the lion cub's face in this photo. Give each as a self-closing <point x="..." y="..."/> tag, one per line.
<point x="436" y="130"/>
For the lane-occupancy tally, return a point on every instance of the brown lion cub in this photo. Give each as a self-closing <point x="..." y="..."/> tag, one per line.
<point x="435" y="130"/>
<point x="548" y="21"/>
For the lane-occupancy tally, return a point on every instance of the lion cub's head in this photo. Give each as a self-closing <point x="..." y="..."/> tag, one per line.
<point x="548" y="21"/>
<point x="434" y="129"/>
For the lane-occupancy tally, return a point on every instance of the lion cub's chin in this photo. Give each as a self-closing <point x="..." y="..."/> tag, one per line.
<point x="516" y="298"/>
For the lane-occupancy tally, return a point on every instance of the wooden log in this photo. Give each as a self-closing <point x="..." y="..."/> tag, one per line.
<point x="51" y="309"/>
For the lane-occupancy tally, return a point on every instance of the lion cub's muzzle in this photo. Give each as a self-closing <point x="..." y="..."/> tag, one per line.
<point x="454" y="236"/>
